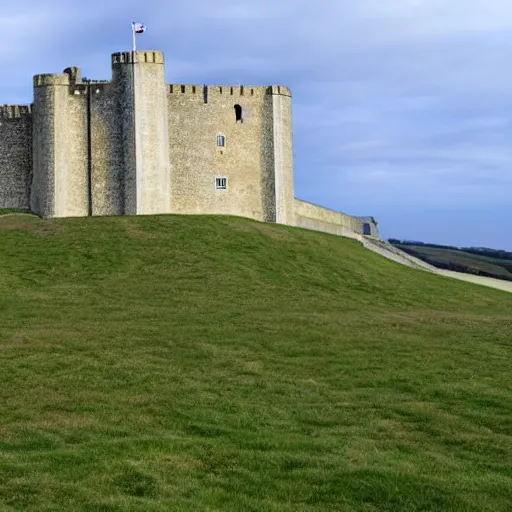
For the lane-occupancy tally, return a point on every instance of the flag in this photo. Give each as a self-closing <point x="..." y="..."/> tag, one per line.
<point x="138" y="28"/>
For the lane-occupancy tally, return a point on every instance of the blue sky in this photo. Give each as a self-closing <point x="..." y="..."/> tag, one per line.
<point x="402" y="108"/>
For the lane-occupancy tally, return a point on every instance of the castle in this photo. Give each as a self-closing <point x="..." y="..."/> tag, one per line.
<point x="135" y="145"/>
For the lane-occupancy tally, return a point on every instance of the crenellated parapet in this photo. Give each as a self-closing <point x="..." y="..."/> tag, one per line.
<point x="52" y="80"/>
<point x="229" y="90"/>
<point x="15" y="111"/>
<point x="213" y="90"/>
<point x="279" y="90"/>
<point x="139" y="57"/>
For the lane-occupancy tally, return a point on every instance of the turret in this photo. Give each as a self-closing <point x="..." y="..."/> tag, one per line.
<point x="282" y="153"/>
<point x="140" y="79"/>
<point x="60" y="173"/>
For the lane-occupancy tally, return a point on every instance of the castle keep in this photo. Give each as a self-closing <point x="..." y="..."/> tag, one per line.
<point x="136" y="145"/>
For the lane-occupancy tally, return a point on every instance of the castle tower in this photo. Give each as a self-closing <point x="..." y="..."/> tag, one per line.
<point x="60" y="179"/>
<point x="282" y="154"/>
<point x="143" y="108"/>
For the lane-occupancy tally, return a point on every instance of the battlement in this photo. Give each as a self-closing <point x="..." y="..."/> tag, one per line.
<point x="280" y="90"/>
<point x="49" y="80"/>
<point x="228" y="90"/>
<point x="15" y="111"/>
<point x="149" y="57"/>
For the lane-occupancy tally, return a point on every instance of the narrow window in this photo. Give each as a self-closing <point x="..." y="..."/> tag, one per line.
<point x="238" y="114"/>
<point x="221" y="183"/>
<point x="221" y="141"/>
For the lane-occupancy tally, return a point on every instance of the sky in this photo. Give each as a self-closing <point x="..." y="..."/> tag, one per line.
<point x="402" y="109"/>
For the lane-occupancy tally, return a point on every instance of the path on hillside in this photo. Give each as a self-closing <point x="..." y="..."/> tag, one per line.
<point x="499" y="284"/>
<point x="391" y="252"/>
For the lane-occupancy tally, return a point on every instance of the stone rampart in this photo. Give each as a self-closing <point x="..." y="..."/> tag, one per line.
<point x="15" y="155"/>
<point x="219" y="133"/>
<point x="204" y="91"/>
<point x="140" y="57"/>
<point x="15" y="111"/>
<point x="106" y="150"/>
<point x="137" y="145"/>
<point x="50" y="79"/>
<point x="256" y="160"/>
<point x="318" y="218"/>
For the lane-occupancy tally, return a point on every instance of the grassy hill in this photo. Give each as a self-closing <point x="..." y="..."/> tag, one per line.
<point x="195" y="363"/>
<point x="484" y="263"/>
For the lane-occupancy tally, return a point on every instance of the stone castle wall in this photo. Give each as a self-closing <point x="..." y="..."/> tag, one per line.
<point x="197" y="117"/>
<point x="318" y="218"/>
<point x="143" y="110"/>
<point x="106" y="153"/>
<point x="15" y="155"/>
<point x="136" y="145"/>
<point x="60" y="186"/>
<point x="282" y="145"/>
<point x="256" y="158"/>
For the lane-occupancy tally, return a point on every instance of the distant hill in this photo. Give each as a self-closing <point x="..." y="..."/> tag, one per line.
<point x="481" y="261"/>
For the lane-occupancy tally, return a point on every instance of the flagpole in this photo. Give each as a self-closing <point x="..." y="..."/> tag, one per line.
<point x="133" y="39"/>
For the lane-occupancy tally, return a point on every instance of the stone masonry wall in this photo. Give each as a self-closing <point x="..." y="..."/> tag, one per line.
<point x="60" y="184"/>
<point x="317" y="218"/>
<point x="44" y="136"/>
<point x="122" y="76"/>
<point x="72" y="179"/>
<point x="143" y="109"/>
<point x="107" y="158"/>
<point x="197" y="115"/>
<point x="134" y="145"/>
<point x="283" y="154"/>
<point x="15" y="156"/>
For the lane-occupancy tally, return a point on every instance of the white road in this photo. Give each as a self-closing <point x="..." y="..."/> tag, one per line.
<point x="485" y="281"/>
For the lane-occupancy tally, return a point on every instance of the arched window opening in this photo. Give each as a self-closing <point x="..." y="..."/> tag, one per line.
<point x="221" y="141"/>
<point x="238" y="114"/>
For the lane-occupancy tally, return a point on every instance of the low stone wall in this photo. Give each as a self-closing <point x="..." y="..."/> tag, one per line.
<point x="318" y="218"/>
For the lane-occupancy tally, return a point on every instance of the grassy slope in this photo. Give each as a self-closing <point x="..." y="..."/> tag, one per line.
<point x="475" y="262"/>
<point x="4" y="211"/>
<point x="202" y="363"/>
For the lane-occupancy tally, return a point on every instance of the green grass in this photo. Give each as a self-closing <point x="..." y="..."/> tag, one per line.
<point x="4" y="211"/>
<point x="202" y="363"/>
<point x="467" y="262"/>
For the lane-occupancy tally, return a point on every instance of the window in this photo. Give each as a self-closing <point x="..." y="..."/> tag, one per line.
<point x="221" y="183"/>
<point x="238" y="113"/>
<point x="221" y="141"/>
